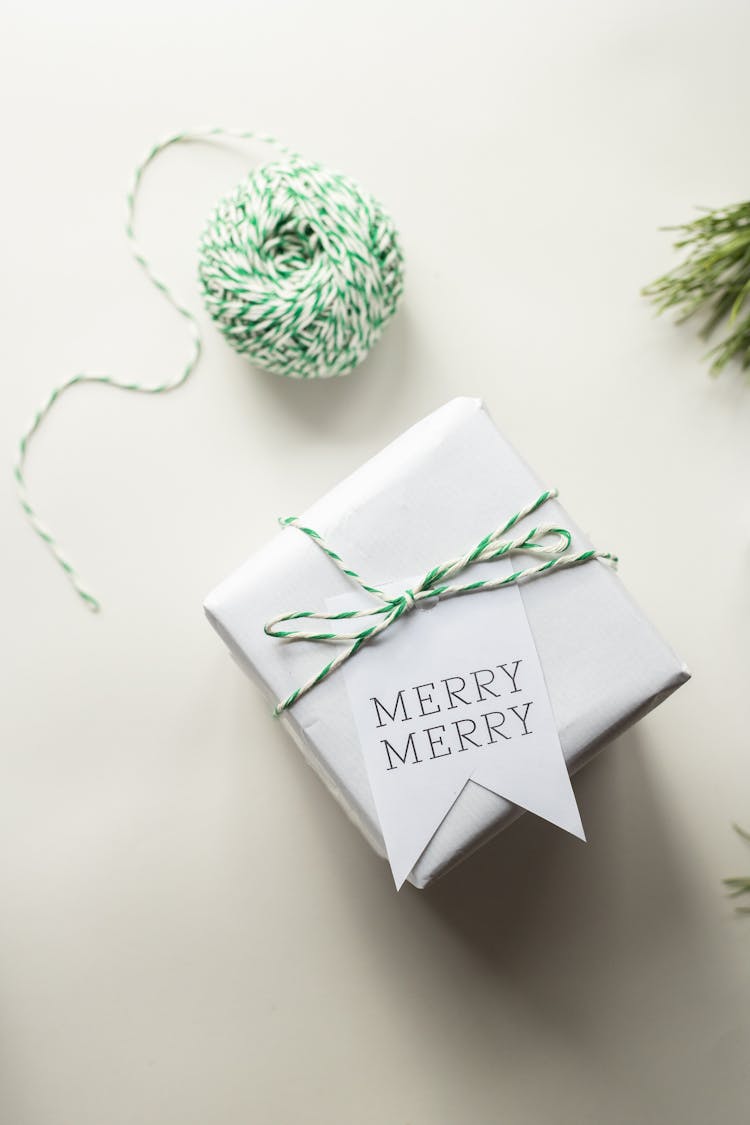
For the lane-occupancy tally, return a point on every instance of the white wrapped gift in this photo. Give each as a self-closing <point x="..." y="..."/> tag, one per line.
<point x="429" y="495"/>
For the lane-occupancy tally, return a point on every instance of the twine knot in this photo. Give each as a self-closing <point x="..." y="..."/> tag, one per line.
<point x="546" y="541"/>
<point x="405" y="602"/>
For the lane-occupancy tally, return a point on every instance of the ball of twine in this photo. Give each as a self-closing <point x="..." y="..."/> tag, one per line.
<point x="300" y="269"/>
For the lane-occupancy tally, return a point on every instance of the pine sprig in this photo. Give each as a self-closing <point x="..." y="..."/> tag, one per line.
<point x="739" y="884"/>
<point x="713" y="280"/>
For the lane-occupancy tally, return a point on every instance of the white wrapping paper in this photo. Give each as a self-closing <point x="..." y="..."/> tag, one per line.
<point x="432" y="493"/>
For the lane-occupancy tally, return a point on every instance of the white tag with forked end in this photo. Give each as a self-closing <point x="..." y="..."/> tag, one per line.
<point x="453" y="692"/>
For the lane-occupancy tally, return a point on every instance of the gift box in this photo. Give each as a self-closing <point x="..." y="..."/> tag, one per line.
<point x="430" y="494"/>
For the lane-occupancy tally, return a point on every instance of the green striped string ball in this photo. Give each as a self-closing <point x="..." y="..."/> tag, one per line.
<point x="301" y="270"/>
<point x="299" y="267"/>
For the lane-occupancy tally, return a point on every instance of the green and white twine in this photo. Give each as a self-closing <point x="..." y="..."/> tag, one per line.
<point x="435" y="584"/>
<point x="299" y="267"/>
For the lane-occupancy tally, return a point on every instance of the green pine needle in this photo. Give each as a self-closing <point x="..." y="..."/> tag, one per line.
<point x="739" y="884"/>
<point x="713" y="280"/>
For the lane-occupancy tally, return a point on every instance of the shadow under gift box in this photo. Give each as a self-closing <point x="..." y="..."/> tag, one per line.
<point x="429" y="495"/>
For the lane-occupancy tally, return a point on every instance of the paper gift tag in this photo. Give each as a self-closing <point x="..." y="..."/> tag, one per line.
<point x="454" y="691"/>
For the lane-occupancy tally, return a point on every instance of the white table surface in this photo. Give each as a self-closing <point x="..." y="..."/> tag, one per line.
<point x="190" y="930"/>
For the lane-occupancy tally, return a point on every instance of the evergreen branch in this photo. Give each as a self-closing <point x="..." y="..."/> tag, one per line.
<point x="713" y="280"/>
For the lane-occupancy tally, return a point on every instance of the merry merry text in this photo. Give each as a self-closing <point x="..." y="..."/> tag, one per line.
<point x="438" y="740"/>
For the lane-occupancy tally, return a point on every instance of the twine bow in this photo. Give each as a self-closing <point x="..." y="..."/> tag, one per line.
<point x="435" y="584"/>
